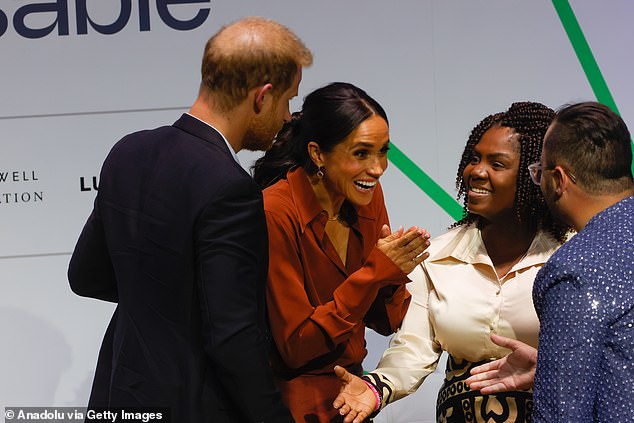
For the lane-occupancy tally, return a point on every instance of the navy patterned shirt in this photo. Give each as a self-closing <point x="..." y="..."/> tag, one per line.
<point x="584" y="297"/>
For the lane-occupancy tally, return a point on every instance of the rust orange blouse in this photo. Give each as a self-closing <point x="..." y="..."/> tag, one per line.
<point x="318" y="307"/>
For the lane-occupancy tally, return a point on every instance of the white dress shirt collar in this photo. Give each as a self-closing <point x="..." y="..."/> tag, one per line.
<point x="233" y="153"/>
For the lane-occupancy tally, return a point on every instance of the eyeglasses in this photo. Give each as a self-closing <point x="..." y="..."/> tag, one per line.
<point x="535" y="170"/>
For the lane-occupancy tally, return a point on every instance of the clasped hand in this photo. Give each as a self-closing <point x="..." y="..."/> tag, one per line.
<point x="406" y="249"/>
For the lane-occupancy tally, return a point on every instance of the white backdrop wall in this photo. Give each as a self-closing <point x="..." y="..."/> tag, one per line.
<point x="437" y="66"/>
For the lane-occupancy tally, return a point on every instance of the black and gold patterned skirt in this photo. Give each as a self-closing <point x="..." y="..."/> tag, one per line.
<point x="457" y="403"/>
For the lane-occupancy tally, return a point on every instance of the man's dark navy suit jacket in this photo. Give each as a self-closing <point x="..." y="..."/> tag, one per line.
<point x="177" y="238"/>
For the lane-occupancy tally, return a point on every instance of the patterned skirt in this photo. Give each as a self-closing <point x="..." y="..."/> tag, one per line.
<point x="458" y="404"/>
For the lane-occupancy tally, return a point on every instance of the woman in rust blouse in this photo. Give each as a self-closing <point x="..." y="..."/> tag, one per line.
<point x="334" y="267"/>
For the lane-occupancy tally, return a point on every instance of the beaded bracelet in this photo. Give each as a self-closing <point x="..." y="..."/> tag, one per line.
<point x="376" y="394"/>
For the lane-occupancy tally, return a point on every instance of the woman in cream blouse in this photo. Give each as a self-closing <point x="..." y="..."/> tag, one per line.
<point x="476" y="282"/>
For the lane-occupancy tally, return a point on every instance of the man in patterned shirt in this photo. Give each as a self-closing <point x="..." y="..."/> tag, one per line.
<point x="584" y="295"/>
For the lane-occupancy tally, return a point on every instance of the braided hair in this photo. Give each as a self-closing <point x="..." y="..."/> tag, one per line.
<point x="530" y="121"/>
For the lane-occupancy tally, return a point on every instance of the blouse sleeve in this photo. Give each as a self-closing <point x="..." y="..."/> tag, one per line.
<point x="388" y="309"/>
<point x="302" y="331"/>
<point x="413" y="353"/>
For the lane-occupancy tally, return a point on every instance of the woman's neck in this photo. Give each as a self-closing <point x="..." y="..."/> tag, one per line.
<point x="506" y="243"/>
<point x="330" y="203"/>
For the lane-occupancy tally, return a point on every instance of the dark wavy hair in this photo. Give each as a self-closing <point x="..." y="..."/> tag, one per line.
<point x="329" y="114"/>
<point x="594" y="143"/>
<point x="530" y="121"/>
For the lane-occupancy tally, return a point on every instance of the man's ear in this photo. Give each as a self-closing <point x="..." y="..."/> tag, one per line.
<point x="314" y="152"/>
<point x="561" y="180"/>
<point x="258" y="103"/>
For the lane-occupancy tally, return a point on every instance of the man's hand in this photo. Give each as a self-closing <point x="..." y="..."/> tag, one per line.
<point x="514" y="372"/>
<point x="355" y="401"/>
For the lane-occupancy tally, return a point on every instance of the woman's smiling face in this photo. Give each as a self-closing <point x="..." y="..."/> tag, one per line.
<point x="490" y="178"/>
<point x="354" y="166"/>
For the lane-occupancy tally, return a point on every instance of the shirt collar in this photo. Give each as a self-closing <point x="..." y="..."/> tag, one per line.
<point x="306" y="201"/>
<point x="233" y="153"/>
<point x="468" y="247"/>
<point x="614" y="208"/>
<point x="303" y="196"/>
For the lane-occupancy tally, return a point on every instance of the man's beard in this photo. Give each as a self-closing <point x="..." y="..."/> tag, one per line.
<point x="261" y="133"/>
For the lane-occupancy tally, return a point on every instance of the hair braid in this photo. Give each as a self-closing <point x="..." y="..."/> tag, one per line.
<point x="530" y="121"/>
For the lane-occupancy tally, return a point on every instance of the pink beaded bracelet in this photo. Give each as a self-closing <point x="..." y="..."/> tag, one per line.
<point x="376" y="394"/>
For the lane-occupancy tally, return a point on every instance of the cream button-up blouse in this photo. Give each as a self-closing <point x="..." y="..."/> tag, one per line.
<point x="458" y="300"/>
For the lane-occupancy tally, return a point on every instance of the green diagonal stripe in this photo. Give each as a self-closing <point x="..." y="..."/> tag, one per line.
<point x="593" y="74"/>
<point x="424" y="182"/>
<point x="585" y="56"/>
